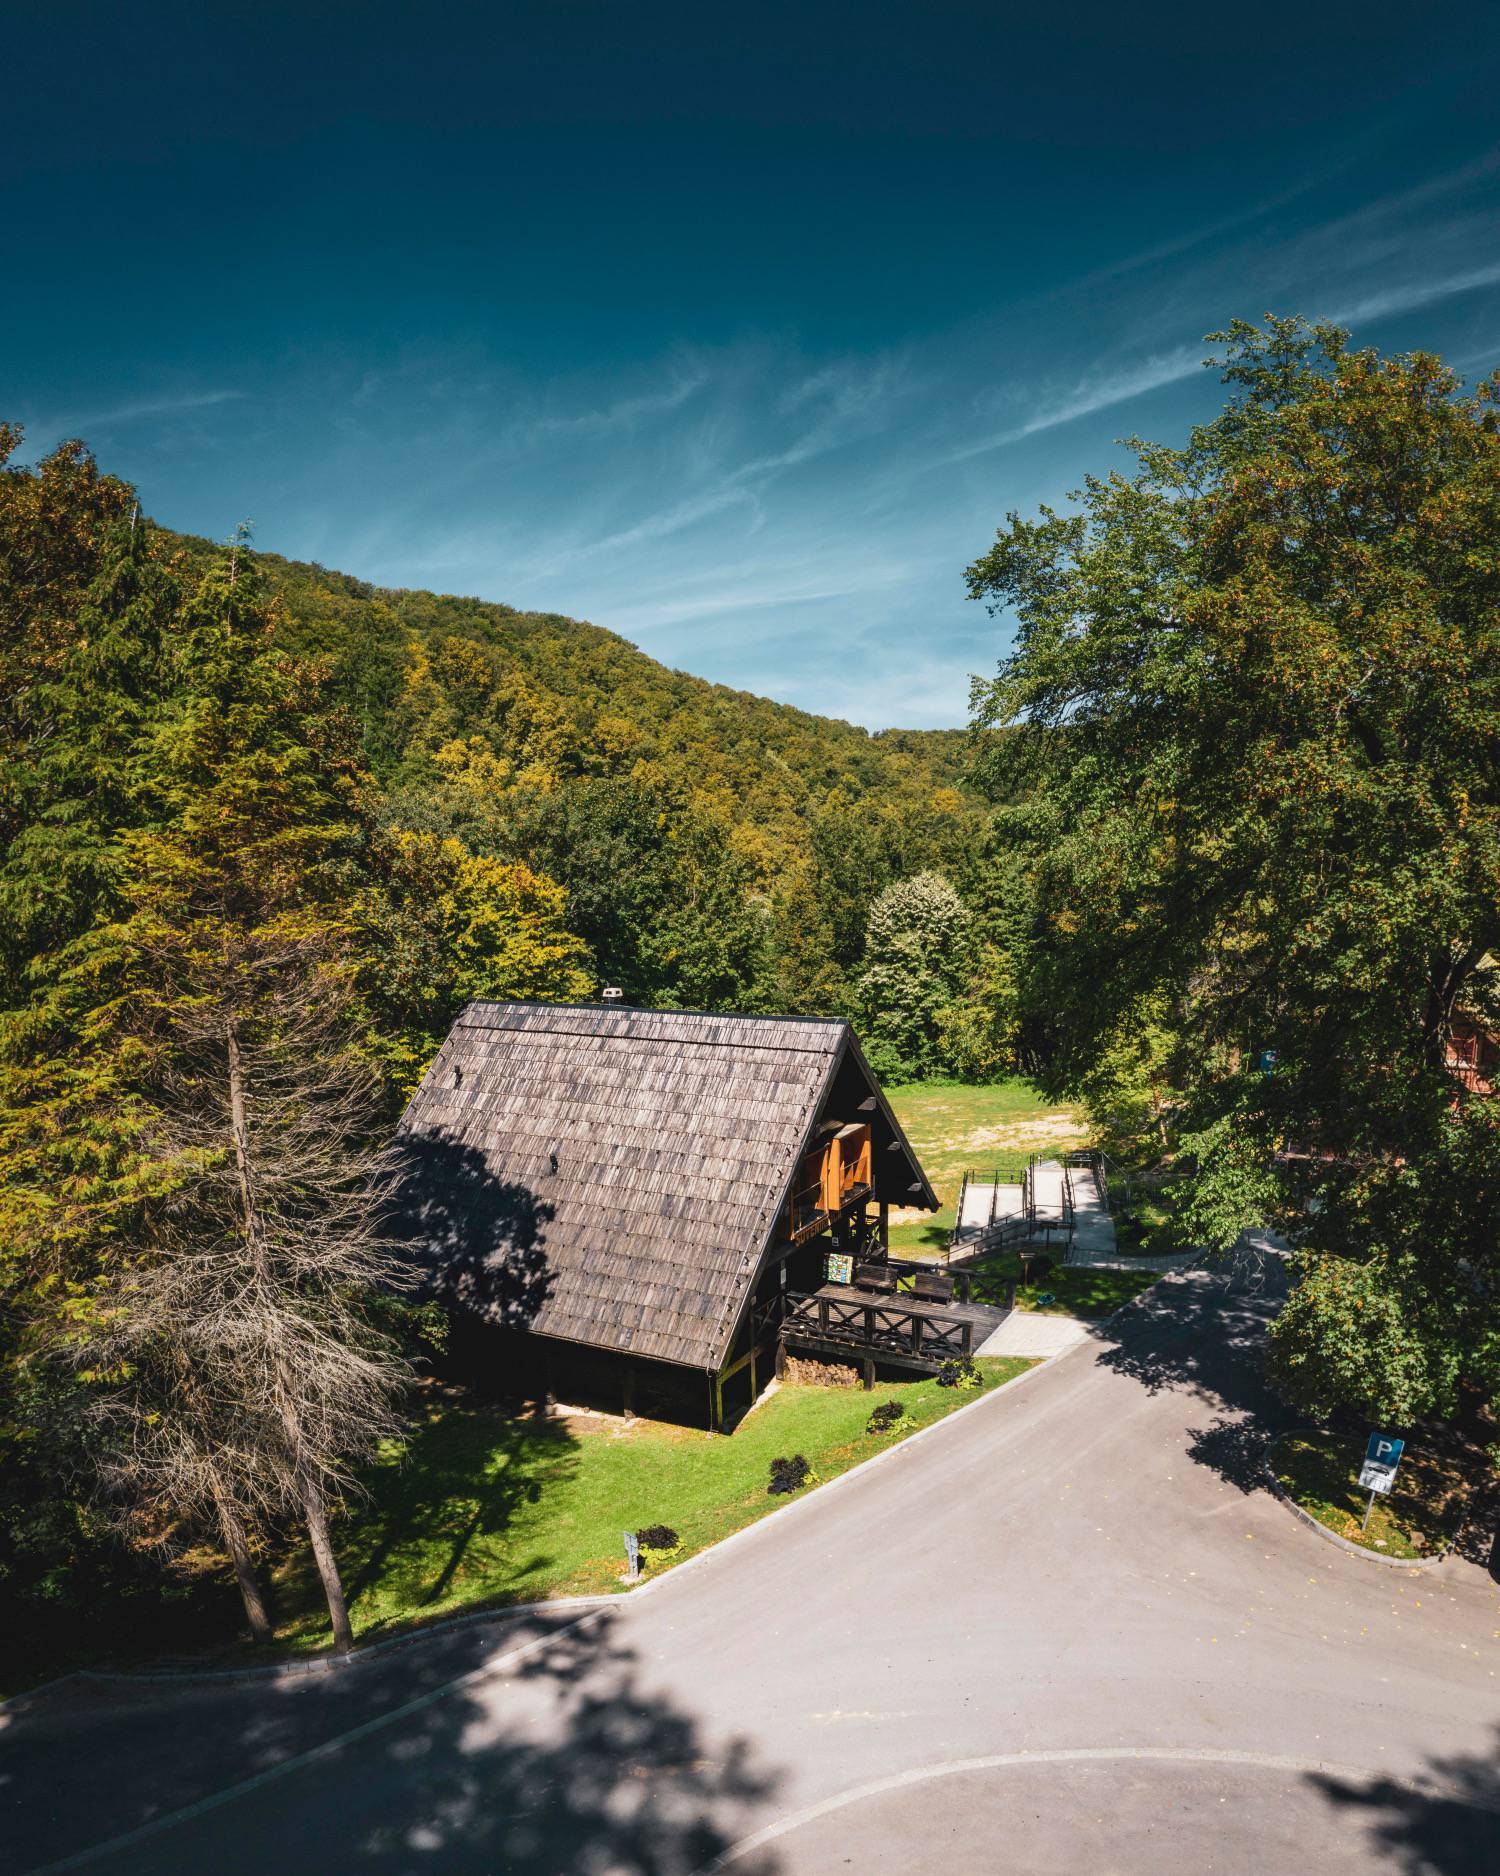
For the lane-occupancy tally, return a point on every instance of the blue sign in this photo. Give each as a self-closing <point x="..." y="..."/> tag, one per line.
<point x="1384" y="1450"/>
<point x="1266" y="1061"/>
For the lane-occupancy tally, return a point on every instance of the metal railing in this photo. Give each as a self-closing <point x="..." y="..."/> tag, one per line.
<point x="1097" y="1162"/>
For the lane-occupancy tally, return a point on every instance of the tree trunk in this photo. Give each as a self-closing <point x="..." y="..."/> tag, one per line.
<point x="309" y="1492"/>
<point x="328" y="1568"/>
<point x="238" y="1547"/>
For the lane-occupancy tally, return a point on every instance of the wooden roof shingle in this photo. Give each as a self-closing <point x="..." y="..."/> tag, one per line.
<point x="612" y="1175"/>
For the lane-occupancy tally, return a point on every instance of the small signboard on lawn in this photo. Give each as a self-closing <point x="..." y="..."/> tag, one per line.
<point x="1382" y="1456"/>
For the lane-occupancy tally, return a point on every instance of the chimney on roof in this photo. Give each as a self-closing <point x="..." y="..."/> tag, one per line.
<point x="613" y="994"/>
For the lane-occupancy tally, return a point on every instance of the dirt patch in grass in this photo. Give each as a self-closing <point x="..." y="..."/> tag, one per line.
<point x="1054" y="1132"/>
<point x="1420" y="1517"/>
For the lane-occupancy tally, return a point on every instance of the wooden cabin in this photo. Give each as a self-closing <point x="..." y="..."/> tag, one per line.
<point x="610" y="1200"/>
<point x="1473" y="1054"/>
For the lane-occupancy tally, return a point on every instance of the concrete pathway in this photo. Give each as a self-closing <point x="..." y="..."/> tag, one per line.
<point x="1025" y="1332"/>
<point x="1048" y="1194"/>
<point x="1066" y="1629"/>
<point x="1095" y="1245"/>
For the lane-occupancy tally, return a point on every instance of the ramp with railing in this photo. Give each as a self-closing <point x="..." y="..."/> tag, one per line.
<point x="1025" y="1202"/>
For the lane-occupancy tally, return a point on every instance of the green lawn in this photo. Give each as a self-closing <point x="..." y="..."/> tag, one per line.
<point x="956" y="1127"/>
<point x="1085" y="1294"/>
<point x="1320" y="1472"/>
<point x="491" y="1507"/>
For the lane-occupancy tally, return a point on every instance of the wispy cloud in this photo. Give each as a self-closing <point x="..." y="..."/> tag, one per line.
<point x="1095" y="391"/>
<point x="796" y="521"/>
<point x="621" y="414"/>
<point x="1408" y="297"/>
<point x="146" y="407"/>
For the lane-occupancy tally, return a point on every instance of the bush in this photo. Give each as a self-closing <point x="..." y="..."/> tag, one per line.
<point x="658" y="1537"/>
<point x="960" y="1373"/>
<point x="888" y="1414"/>
<point x="790" y="1475"/>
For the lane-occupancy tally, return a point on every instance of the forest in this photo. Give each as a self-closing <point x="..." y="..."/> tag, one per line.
<point x="1218" y="857"/>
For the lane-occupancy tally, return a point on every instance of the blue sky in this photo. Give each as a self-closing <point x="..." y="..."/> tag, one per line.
<point x="735" y="330"/>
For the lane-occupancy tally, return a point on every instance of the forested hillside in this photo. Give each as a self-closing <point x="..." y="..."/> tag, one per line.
<point x="716" y="849"/>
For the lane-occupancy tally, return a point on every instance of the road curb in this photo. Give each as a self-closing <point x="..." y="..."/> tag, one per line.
<point x="314" y="1665"/>
<point x="557" y="1605"/>
<point x="1332" y="1537"/>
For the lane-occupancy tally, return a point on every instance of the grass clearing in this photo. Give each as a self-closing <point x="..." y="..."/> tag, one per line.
<point x="1320" y="1472"/>
<point x="490" y="1507"/>
<point x="955" y="1127"/>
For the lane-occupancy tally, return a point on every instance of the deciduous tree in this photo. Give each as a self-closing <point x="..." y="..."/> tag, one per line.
<point x="1255" y="704"/>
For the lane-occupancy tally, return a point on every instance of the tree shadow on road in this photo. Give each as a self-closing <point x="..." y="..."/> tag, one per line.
<point x="1203" y="1335"/>
<point x="1451" y="1829"/>
<point x="565" y="1764"/>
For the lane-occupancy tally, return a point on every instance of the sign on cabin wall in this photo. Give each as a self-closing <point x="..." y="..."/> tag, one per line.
<point x="839" y="1268"/>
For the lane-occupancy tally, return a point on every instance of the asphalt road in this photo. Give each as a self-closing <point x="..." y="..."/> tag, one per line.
<point x="1067" y="1630"/>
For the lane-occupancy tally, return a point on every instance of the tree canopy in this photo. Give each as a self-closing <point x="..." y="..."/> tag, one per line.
<point x="1254" y="725"/>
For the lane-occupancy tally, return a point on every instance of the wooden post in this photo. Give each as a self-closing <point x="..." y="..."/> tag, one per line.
<point x="716" y="1403"/>
<point x="753" y="1389"/>
<point x="885" y="1226"/>
<point x="869" y="1374"/>
<point x="780" y="1359"/>
<point x="627" y="1391"/>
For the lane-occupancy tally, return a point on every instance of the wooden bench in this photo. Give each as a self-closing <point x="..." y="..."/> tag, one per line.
<point x="875" y="1277"/>
<point x="933" y="1286"/>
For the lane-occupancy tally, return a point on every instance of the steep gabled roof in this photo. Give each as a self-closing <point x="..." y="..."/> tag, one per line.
<point x="612" y="1176"/>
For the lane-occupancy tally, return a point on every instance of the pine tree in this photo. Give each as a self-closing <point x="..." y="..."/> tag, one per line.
<point x="242" y="1325"/>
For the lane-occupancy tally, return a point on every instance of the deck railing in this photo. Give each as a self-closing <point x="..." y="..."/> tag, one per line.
<point x="876" y="1328"/>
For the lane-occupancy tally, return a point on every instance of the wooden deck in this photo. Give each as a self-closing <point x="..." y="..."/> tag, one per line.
<point x="898" y="1328"/>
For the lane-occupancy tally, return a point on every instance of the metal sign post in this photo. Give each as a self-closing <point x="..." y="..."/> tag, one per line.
<point x="1378" y="1474"/>
<point x="632" y="1557"/>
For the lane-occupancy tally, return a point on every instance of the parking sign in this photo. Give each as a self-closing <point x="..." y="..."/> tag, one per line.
<point x="1382" y="1456"/>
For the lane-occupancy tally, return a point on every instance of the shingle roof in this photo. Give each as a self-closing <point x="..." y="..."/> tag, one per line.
<point x="622" y="1169"/>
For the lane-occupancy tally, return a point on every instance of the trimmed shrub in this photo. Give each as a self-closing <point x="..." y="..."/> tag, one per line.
<point x="958" y="1374"/>
<point x="658" y="1542"/>
<point x="789" y="1475"/>
<point x="889" y="1414"/>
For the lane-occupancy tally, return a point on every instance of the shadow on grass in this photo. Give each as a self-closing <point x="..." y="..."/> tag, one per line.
<point x="566" y="1761"/>
<point x="465" y="1473"/>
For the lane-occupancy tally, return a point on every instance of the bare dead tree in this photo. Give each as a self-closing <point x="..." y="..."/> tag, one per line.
<point x="251" y="1378"/>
